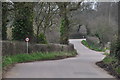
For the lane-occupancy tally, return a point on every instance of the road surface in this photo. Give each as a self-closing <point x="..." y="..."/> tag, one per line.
<point x="82" y="66"/>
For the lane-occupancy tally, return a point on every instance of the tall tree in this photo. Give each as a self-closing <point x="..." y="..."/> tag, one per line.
<point x="64" y="9"/>
<point x="4" y="20"/>
<point x="23" y="24"/>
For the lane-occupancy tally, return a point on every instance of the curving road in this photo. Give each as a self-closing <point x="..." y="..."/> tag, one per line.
<point x="82" y="66"/>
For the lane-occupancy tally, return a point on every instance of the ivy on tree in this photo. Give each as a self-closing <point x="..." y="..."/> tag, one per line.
<point x="64" y="10"/>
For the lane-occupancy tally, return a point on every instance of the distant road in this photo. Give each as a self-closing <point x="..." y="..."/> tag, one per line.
<point x="82" y="66"/>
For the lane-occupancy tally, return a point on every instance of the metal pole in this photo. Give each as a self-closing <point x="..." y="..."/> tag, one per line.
<point x="27" y="47"/>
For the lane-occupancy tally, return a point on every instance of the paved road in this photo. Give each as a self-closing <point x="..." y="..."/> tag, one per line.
<point x="82" y="66"/>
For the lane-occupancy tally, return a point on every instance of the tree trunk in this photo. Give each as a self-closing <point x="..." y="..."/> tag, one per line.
<point x="37" y="36"/>
<point x="64" y="29"/>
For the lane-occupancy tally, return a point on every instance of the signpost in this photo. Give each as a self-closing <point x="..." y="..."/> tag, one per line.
<point x="27" y="40"/>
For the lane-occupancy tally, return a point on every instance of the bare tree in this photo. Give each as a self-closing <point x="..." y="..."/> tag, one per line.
<point x="44" y="15"/>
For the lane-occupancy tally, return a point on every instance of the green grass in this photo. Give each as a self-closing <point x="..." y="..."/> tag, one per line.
<point x="112" y="61"/>
<point x="117" y="70"/>
<point x="106" y="54"/>
<point x="109" y="60"/>
<point x="20" y="58"/>
<point x="92" y="47"/>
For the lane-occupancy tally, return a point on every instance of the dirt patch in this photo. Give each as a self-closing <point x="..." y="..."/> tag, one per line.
<point x="109" y="69"/>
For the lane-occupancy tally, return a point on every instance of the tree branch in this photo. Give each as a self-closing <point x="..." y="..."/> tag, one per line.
<point x="75" y="8"/>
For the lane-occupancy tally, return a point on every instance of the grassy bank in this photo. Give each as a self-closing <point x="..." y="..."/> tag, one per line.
<point x="20" y="58"/>
<point x="111" y="65"/>
<point x="92" y="47"/>
<point x="113" y="62"/>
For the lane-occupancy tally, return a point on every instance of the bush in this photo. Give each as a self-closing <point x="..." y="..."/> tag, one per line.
<point x="42" y="39"/>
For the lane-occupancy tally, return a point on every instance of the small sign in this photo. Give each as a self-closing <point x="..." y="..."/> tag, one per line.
<point x="27" y="39"/>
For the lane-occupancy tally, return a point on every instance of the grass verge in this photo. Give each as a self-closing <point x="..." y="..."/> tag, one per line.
<point x="113" y="62"/>
<point x="109" y="60"/>
<point x="9" y="61"/>
<point x="92" y="47"/>
<point x="20" y="58"/>
<point x="111" y="65"/>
